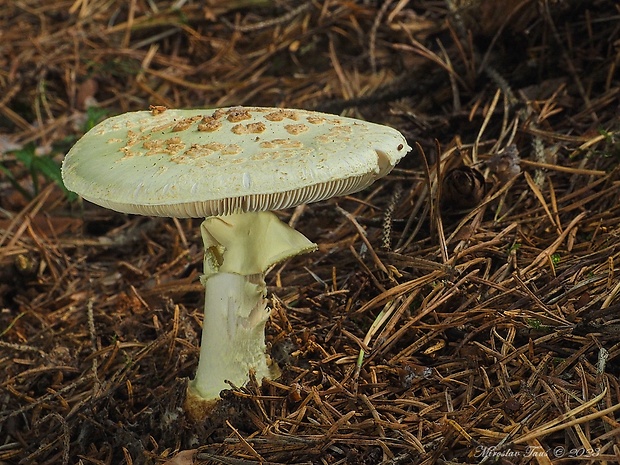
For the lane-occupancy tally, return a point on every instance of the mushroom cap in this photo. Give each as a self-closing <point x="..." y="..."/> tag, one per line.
<point x="199" y="163"/>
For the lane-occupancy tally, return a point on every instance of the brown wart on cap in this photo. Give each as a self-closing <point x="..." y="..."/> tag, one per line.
<point x="281" y="114"/>
<point x="231" y="166"/>
<point x="157" y="109"/>
<point x="185" y="123"/>
<point x="251" y="128"/>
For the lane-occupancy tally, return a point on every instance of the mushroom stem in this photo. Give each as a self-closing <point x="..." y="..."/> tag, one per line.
<point x="239" y="249"/>
<point x="233" y="334"/>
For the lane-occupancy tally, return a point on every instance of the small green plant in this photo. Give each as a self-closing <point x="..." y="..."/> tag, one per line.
<point x="537" y="325"/>
<point x="94" y="115"/>
<point x="611" y="149"/>
<point x="36" y="165"/>
<point x="514" y="247"/>
<point x="534" y="323"/>
<point x="45" y="165"/>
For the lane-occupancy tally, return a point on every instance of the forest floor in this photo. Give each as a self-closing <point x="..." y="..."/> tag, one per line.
<point x="464" y="309"/>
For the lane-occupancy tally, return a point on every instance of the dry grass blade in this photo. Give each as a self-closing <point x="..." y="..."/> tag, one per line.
<point x="541" y="199"/>
<point x="546" y="254"/>
<point x="564" y="421"/>
<point x="564" y="169"/>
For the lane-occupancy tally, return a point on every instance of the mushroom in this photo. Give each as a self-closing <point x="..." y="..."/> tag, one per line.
<point x="232" y="166"/>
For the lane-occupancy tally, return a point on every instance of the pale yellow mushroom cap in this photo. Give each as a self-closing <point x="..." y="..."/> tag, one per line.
<point x="200" y="163"/>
